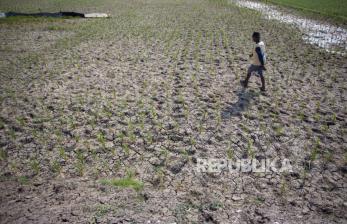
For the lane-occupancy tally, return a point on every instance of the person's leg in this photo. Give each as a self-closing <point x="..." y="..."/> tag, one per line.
<point x="262" y="88"/>
<point x="249" y="73"/>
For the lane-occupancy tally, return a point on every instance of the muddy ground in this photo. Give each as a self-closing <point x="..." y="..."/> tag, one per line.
<point x="146" y="94"/>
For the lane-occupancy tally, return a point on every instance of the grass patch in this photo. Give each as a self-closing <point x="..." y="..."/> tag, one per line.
<point x="102" y="210"/>
<point x="23" y="180"/>
<point x="336" y="9"/>
<point x="3" y="154"/>
<point x="55" y="28"/>
<point x="25" y="20"/>
<point x="47" y="5"/>
<point x="127" y="182"/>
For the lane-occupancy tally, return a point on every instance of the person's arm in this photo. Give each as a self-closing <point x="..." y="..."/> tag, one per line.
<point x="260" y="55"/>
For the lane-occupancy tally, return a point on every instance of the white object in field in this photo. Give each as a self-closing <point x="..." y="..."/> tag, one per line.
<point x="2" y="15"/>
<point x="96" y="15"/>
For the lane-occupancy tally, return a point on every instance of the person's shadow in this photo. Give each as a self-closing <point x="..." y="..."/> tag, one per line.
<point x="244" y="99"/>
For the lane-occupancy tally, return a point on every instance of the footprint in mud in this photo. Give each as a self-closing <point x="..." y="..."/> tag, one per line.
<point x="244" y="100"/>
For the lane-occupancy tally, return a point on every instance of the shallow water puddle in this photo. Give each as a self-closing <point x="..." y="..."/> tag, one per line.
<point x="331" y="38"/>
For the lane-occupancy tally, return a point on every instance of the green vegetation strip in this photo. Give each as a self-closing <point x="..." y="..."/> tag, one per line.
<point x="331" y="8"/>
<point x="127" y="182"/>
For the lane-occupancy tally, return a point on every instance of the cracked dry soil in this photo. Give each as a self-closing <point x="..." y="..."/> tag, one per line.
<point x="153" y="89"/>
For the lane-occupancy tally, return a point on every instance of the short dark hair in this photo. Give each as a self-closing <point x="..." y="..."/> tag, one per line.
<point x="256" y="35"/>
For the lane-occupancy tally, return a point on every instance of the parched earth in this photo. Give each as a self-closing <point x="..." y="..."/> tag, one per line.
<point x="149" y="92"/>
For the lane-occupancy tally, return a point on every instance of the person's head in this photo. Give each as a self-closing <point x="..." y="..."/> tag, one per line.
<point x="256" y="37"/>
